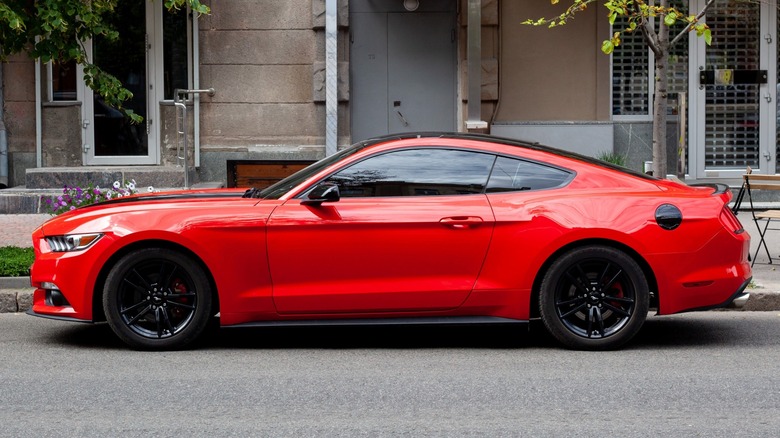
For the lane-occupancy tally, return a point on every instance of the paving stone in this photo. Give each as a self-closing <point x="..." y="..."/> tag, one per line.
<point x="8" y="301"/>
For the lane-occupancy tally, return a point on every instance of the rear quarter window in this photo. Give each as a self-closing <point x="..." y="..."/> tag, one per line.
<point x="511" y="174"/>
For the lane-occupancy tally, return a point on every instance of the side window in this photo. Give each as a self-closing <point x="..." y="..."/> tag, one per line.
<point x="416" y="172"/>
<point x="511" y="174"/>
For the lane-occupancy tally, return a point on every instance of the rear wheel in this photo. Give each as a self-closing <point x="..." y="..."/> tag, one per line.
<point x="594" y="298"/>
<point x="157" y="299"/>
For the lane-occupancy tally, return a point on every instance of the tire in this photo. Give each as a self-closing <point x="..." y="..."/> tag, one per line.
<point x="594" y="298"/>
<point x="157" y="299"/>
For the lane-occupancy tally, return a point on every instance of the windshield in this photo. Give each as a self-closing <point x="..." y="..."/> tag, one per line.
<point x="278" y="189"/>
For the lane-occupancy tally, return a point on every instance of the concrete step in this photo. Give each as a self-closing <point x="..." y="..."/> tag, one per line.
<point x="144" y="176"/>
<point x="46" y="182"/>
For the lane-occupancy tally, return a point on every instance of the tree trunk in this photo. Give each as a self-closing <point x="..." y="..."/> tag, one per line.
<point x="660" y="102"/>
<point x="659" y="120"/>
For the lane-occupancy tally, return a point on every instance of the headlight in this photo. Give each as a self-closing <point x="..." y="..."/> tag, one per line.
<point x="72" y="242"/>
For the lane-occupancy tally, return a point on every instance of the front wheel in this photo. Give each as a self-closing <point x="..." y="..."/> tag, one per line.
<point x="157" y="299"/>
<point x="594" y="298"/>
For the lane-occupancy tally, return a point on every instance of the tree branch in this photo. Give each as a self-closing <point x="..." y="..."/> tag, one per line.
<point x="651" y="37"/>
<point x="690" y="25"/>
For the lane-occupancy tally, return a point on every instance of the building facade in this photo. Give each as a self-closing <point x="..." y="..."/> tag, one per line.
<point x="289" y="85"/>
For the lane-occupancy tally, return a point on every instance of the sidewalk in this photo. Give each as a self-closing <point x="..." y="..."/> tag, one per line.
<point x="15" y="295"/>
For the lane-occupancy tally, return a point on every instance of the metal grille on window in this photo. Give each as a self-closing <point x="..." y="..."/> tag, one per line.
<point x="630" y="74"/>
<point x="732" y="110"/>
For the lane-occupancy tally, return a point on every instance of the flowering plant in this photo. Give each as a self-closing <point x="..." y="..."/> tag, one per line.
<point x="74" y="197"/>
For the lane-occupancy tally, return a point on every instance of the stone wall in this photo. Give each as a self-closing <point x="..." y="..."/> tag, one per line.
<point x="264" y="59"/>
<point x="19" y="87"/>
<point x="61" y="130"/>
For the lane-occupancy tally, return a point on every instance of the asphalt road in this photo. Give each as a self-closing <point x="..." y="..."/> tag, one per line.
<point x="703" y="374"/>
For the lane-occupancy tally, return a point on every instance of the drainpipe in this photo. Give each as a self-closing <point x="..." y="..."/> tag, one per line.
<point x="474" y="120"/>
<point x="3" y="136"/>
<point x="331" y="77"/>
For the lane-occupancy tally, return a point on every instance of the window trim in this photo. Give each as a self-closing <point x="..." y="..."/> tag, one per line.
<point x="572" y="174"/>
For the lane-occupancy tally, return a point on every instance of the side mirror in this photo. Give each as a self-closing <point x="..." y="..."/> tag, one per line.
<point x="325" y="192"/>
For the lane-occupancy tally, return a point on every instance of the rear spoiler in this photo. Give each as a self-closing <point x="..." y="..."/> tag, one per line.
<point x="719" y="188"/>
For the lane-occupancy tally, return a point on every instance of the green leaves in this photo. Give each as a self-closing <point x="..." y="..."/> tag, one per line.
<point x="704" y="30"/>
<point x="607" y="47"/>
<point x="634" y="14"/>
<point x="670" y="18"/>
<point x="55" y="30"/>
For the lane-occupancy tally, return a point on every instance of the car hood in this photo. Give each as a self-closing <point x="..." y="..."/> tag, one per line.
<point x="145" y="210"/>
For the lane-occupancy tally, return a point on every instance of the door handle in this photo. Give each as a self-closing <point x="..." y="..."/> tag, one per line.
<point x="401" y="116"/>
<point x="461" y="221"/>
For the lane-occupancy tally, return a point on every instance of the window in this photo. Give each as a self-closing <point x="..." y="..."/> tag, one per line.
<point x="511" y="174"/>
<point x="417" y="172"/>
<point x="630" y="74"/>
<point x="175" y="51"/>
<point x="632" y="70"/>
<point x="63" y="81"/>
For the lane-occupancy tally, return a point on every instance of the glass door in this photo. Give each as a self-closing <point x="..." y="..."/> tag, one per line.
<point x="111" y="137"/>
<point x="733" y="92"/>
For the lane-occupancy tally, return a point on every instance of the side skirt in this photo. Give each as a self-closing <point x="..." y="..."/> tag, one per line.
<point x="448" y="320"/>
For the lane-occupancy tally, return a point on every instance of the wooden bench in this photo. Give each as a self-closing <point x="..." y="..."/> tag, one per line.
<point x="762" y="217"/>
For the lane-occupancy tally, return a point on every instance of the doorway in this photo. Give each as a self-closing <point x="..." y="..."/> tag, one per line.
<point x="733" y="92"/>
<point x="111" y="138"/>
<point x="402" y="68"/>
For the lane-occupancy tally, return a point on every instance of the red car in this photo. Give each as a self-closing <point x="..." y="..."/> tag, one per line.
<point x="405" y="229"/>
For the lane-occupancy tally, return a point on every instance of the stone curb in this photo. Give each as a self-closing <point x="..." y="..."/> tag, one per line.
<point x="16" y="296"/>
<point x="15" y="300"/>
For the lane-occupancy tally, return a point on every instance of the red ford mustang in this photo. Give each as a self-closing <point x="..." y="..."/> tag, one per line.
<point x="403" y="229"/>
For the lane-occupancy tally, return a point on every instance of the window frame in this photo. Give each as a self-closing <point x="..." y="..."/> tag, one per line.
<point x="79" y="94"/>
<point x="496" y="156"/>
<point x="570" y="174"/>
<point x="159" y="48"/>
<point x="493" y="155"/>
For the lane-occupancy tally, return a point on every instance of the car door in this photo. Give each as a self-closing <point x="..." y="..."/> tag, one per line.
<point x="410" y="233"/>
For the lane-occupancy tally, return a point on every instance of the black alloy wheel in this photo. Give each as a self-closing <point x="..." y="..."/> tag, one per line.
<point x="157" y="299"/>
<point x="594" y="298"/>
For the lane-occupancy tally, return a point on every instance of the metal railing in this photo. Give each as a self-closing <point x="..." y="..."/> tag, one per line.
<point x="181" y="128"/>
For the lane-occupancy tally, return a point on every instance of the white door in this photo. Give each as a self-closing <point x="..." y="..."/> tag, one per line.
<point x="732" y="92"/>
<point x="110" y="138"/>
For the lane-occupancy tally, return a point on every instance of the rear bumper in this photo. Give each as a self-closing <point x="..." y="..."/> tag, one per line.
<point x="740" y="301"/>
<point x="736" y="301"/>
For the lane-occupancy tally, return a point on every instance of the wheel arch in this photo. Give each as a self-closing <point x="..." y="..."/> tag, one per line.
<point x="643" y="264"/>
<point x="97" y="294"/>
